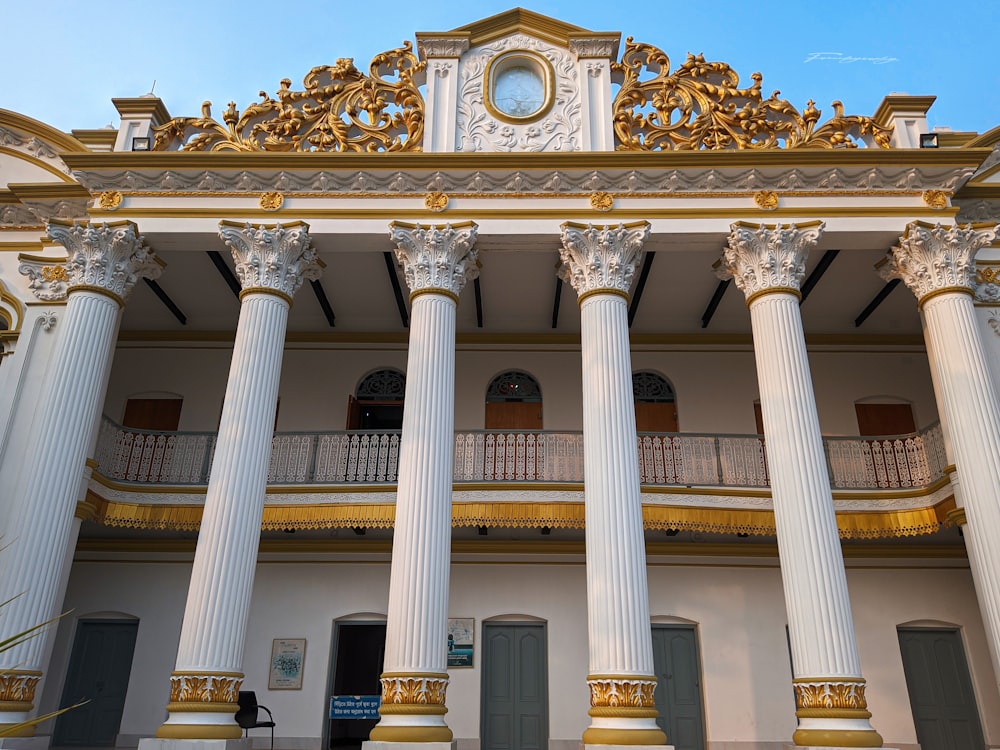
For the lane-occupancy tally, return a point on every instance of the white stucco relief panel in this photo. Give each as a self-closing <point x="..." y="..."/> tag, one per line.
<point x="560" y="129"/>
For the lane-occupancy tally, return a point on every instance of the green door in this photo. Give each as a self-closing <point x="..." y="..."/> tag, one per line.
<point x="678" y="690"/>
<point x="99" y="668"/>
<point x="514" y="712"/>
<point x="941" y="697"/>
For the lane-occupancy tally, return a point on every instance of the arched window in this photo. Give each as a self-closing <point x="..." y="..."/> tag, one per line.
<point x="655" y="402"/>
<point x="884" y="415"/>
<point x="513" y="402"/>
<point x="377" y="403"/>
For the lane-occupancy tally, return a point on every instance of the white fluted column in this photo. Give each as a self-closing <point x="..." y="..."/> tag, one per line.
<point x="271" y="263"/>
<point x="437" y="261"/>
<point x="767" y="264"/>
<point x="600" y="263"/>
<point x="938" y="265"/>
<point x="105" y="262"/>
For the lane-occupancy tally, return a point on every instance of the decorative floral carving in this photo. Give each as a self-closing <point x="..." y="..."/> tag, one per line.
<point x="17" y="216"/>
<point x="112" y="257"/>
<point x="602" y="201"/>
<point x="622" y="692"/>
<point x="447" y="46"/>
<point x="341" y="109"/>
<point x="766" y="199"/>
<point x="702" y="106"/>
<point x="478" y="130"/>
<point x="47" y="320"/>
<point x="18" y="687"/>
<point x="278" y="258"/>
<point x="595" y="46"/>
<point x="931" y="258"/>
<point x="761" y="257"/>
<point x="436" y="201"/>
<point x="193" y="688"/>
<point x="830" y="694"/>
<point x="47" y="282"/>
<point x="109" y="199"/>
<point x="436" y="257"/>
<point x="603" y="257"/>
<point x="988" y="284"/>
<point x="935" y="198"/>
<point x="271" y="201"/>
<point x="416" y="690"/>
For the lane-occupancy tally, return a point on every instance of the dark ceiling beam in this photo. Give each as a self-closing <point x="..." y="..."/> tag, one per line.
<point x="555" y="303"/>
<point x="633" y="307"/>
<point x="817" y="273"/>
<point x="397" y="292"/>
<point x="220" y="263"/>
<point x="165" y="299"/>
<point x="713" y="304"/>
<point x="324" y="303"/>
<point x="479" y="302"/>
<point x="877" y="300"/>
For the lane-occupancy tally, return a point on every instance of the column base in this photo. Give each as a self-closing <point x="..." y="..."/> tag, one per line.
<point x="155" y="743"/>
<point x="407" y="728"/>
<point x="408" y="745"/>
<point x="597" y="746"/>
<point x="823" y="733"/>
<point x="609" y="737"/>
<point x="834" y="747"/>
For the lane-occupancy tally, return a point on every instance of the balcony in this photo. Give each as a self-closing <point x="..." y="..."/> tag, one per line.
<point x="145" y="458"/>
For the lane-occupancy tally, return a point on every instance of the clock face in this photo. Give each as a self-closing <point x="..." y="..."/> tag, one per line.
<point x="519" y="90"/>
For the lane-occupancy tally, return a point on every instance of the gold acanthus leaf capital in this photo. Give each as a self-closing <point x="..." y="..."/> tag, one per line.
<point x="622" y="693"/>
<point x="340" y="109"/>
<point x="187" y="688"/>
<point x="701" y="105"/>
<point x="848" y="694"/>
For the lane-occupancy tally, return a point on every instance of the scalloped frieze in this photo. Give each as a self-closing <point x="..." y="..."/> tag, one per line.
<point x="478" y="130"/>
<point x="32" y="146"/>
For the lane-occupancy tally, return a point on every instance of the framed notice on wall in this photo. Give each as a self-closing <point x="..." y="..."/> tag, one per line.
<point x="461" y="637"/>
<point x="288" y="657"/>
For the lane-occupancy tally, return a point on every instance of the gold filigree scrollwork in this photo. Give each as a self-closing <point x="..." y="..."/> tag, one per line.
<point x="701" y="106"/>
<point x="271" y="201"/>
<point x="191" y="688"/>
<point x="621" y="692"/>
<point x="936" y="198"/>
<point x="55" y="273"/>
<point x="766" y="200"/>
<point x="986" y="275"/>
<point x="812" y="694"/>
<point x="436" y="202"/>
<point x="341" y="109"/>
<point x="602" y="201"/>
<point x="17" y="686"/>
<point x="110" y="199"/>
<point x="414" y="690"/>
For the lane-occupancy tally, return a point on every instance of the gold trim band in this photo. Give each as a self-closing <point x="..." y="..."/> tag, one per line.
<point x="265" y="290"/>
<point x="96" y="290"/>
<point x="623" y="712"/>
<point x="434" y="290"/>
<point x="412" y="709"/>
<point x="833" y="713"/>
<point x="607" y="736"/>
<point x="837" y="738"/>
<point x="206" y="708"/>
<point x="607" y="290"/>
<point x="410" y="734"/>
<point x="946" y="290"/>
<point x="774" y="290"/>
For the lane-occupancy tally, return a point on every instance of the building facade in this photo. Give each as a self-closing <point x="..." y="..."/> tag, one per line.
<point x="521" y="391"/>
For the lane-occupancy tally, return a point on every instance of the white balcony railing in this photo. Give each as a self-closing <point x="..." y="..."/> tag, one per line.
<point x="184" y="458"/>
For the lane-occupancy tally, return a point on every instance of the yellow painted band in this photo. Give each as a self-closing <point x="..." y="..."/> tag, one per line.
<point x="96" y="290"/>
<point x="411" y="734"/>
<point x="837" y="738"/>
<point x="16" y="705"/>
<point x="623" y="712"/>
<point x="946" y="290"/>
<point x="774" y="290"/>
<point x="434" y="290"/>
<point x="595" y="292"/>
<point x="266" y="290"/>
<point x="833" y="713"/>
<point x="200" y="731"/>
<point x="207" y="707"/>
<point x="17" y="730"/>
<point x="412" y="709"/>
<point x="605" y="736"/>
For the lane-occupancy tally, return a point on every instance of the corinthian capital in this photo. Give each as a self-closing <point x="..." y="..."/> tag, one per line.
<point x="274" y="259"/>
<point x="601" y="258"/>
<point x="439" y="257"/>
<point x="930" y="259"/>
<point x="109" y="258"/>
<point x="760" y="258"/>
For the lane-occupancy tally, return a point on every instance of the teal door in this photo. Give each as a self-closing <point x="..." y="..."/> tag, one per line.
<point x="941" y="697"/>
<point x="514" y="712"/>
<point x="678" y="689"/>
<point x="99" y="668"/>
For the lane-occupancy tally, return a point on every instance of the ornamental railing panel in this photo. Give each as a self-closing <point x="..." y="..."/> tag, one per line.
<point x="665" y="459"/>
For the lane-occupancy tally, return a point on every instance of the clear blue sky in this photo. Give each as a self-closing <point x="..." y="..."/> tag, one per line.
<point x="66" y="59"/>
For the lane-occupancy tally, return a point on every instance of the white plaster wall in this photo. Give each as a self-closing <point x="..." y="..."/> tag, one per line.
<point x="736" y="605"/>
<point x="715" y="389"/>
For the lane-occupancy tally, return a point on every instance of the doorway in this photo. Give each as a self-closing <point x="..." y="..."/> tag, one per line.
<point x="100" y="664"/>
<point x="513" y="402"/>
<point x="677" y="666"/>
<point x="356" y="666"/>
<point x="377" y="404"/>
<point x="655" y="403"/>
<point x="514" y="712"/>
<point x="940" y="689"/>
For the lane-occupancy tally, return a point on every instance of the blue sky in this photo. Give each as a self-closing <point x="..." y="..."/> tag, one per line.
<point x="66" y="59"/>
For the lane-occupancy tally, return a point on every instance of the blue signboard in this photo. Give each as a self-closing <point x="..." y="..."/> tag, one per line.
<point x="354" y="706"/>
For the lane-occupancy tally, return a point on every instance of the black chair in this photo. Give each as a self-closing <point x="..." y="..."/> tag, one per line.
<point x="246" y="717"/>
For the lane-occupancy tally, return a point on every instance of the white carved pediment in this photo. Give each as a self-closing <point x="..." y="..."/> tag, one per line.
<point x="478" y="129"/>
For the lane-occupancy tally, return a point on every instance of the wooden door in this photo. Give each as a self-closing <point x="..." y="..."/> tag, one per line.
<point x="515" y="687"/>
<point x="940" y="689"/>
<point x="678" y="690"/>
<point x="513" y="415"/>
<point x="885" y="419"/>
<point x="655" y="416"/>
<point x="99" y="668"/>
<point x="157" y="414"/>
